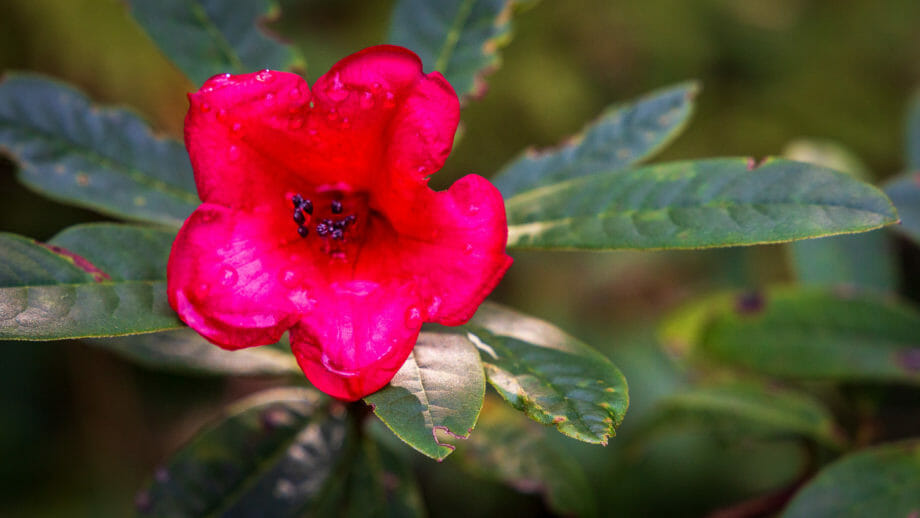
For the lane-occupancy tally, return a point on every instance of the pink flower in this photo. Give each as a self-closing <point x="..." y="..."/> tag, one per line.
<point x="317" y="217"/>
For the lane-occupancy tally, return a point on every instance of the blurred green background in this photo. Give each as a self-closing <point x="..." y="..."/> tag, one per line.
<point x="81" y="429"/>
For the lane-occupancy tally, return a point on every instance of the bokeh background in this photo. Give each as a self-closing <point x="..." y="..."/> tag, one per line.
<point x="81" y="430"/>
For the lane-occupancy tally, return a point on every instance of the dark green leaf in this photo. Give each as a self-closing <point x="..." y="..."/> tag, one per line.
<point x="859" y="260"/>
<point x="749" y="408"/>
<point x="510" y="450"/>
<point x="378" y="484"/>
<point x="209" y="37"/>
<point x="436" y="395"/>
<point x="124" y="252"/>
<point x="552" y="377"/>
<point x="459" y="38"/>
<point x="105" y="159"/>
<point x="697" y="204"/>
<point x="624" y="135"/>
<point x="904" y="191"/>
<point x="186" y="351"/>
<point x="807" y="334"/>
<point x="864" y="260"/>
<point x="912" y="135"/>
<point x="274" y="451"/>
<point x="49" y="293"/>
<point x="879" y="481"/>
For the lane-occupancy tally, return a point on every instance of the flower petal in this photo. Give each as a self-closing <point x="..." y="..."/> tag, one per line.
<point x="358" y="338"/>
<point x="224" y="278"/>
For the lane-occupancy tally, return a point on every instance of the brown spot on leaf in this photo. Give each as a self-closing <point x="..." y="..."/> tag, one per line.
<point x="82" y="179"/>
<point x="750" y="303"/>
<point x="909" y="359"/>
<point x="80" y="262"/>
<point x="753" y="164"/>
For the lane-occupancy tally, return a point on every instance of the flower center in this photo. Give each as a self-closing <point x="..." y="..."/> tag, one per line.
<point x="328" y="218"/>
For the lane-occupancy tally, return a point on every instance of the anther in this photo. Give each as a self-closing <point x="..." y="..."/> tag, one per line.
<point x="298" y="217"/>
<point x="307" y="206"/>
<point x="336" y="207"/>
<point x="350" y="219"/>
<point x="297" y="200"/>
<point x="338" y="234"/>
<point x="303" y="231"/>
<point x="322" y="230"/>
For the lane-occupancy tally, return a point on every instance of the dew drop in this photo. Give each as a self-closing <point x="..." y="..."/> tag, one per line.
<point x="413" y="318"/>
<point x="468" y="249"/>
<point x="205" y="108"/>
<point x="294" y="93"/>
<point x="472" y="208"/>
<point x="201" y="290"/>
<point x="367" y="100"/>
<point x="376" y="86"/>
<point x="336" y="90"/>
<point x="333" y="115"/>
<point x="228" y="276"/>
<point x="345" y="123"/>
<point x="236" y="127"/>
<point x="289" y="278"/>
<point x="421" y="170"/>
<point x="234" y="153"/>
<point x="434" y="306"/>
<point x="265" y="76"/>
<point x="269" y="99"/>
<point x="389" y="100"/>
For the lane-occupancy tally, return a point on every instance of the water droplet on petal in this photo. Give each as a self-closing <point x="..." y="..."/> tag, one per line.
<point x="367" y="100"/>
<point x="201" y="290"/>
<point x="265" y="76"/>
<point x="434" y="306"/>
<point x="205" y="108"/>
<point x="413" y="318"/>
<point x="234" y="153"/>
<point x="269" y="99"/>
<point x="468" y="249"/>
<point x="228" y="276"/>
<point x="295" y="93"/>
<point x="289" y="278"/>
<point x="337" y="91"/>
<point x="236" y="127"/>
<point x="221" y="114"/>
<point x="389" y="100"/>
<point x="422" y="170"/>
<point x="345" y="123"/>
<point x="472" y="208"/>
<point x="333" y="115"/>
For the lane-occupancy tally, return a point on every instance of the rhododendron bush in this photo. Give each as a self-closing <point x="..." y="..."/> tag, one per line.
<point x="314" y="234"/>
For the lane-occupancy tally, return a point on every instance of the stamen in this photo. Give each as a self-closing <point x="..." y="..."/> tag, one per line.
<point x="298" y="217"/>
<point x="338" y="234"/>
<point x="336" y="206"/>
<point x="297" y="200"/>
<point x="307" y="206"/>
<point x="322" y="230"/>
<point x="303" y="231"/>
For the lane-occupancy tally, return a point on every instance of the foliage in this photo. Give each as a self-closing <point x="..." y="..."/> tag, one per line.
<point x="796" y="364"/>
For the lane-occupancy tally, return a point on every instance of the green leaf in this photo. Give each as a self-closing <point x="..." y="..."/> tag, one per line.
<point x="273" y="451"/>
<point x="506" y="449"/>
<point x="459" y="38"/>
<point x="105" y="159"/>
<point x="624" y="135"/>
<point x="209" y="37"/>
<point x="862" y="260"/>
<point x="696" y="204"/>
<point x="377" y="484"/>
<point x="186" y="351"/>
<point x="749" y="408"/>
<point x="912" y="135"/>
<point x="550" y="376"/>
<point x="49" y="293"/>
<point x="805" y="334"/>
<point x="904" y="191"/>
<point x="124" y="252"/>
<point x="436" y="395"/>
<point x="879" y="481"/>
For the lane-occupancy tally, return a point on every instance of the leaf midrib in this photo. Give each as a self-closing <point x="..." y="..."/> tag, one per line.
<point x="452" y="38"/>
